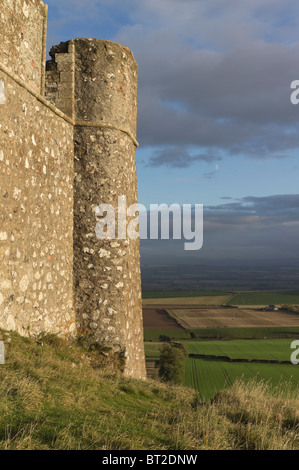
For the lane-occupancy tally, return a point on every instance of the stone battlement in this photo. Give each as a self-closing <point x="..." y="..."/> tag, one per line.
<point x="68" y="141"/>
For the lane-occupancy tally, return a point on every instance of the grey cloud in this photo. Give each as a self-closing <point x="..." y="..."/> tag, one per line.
<point x="232" y="94"/>
<point x="240" y="104"/>
<point x="282" y="206"/>
<point x="178" y="157"/>
<point x="212" y="74"/>
<point x="253" y="229"/>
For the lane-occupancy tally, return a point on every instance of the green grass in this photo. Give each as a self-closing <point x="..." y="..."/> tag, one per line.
<point x="209" y="376"/>
<point x="265" y="298"/>
<point x="227" y="333"/>
<point x="153" y="335"/>
<point x="277" y="349"/>
<point x="59" y="395"/>
<point x="247" y="333"/>
<point x="152" y="350"/>
<point x="165" y="294"/>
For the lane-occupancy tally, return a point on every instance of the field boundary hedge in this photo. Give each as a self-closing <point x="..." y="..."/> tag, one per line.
<point x="230" y="359"/>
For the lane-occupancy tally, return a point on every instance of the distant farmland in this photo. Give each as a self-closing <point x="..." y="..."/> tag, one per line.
<point x="222" y="317"/>
<point x="158" y="318"/>
<point x="227" y="333"/>
<point x="273" y="349"/>
<point x="208" y="326"/>
<point x="220" y="297"/>
<point x="256" y="349"/>
<point x="282" y="332"/>
<point x="164" y="294"/>
<point x="154" y="334"/>
<point x="265" y="298"/>
<point x="199" y="300"/>
<point x="209" y="376"/>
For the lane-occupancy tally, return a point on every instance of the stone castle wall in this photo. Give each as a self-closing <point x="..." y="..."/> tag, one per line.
<point x="23" y="28"/>
<point x="61" y="157"/>
<point x="36" y="229"/>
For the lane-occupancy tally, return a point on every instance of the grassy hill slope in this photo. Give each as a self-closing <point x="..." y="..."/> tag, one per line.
<point x="61" y="395"/>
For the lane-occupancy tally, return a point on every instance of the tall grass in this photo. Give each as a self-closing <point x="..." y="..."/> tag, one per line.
<point x="61" y="395"/>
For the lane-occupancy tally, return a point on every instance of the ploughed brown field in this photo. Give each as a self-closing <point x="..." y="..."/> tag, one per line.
<point x="158" y="319"/>
<point x="232" y="318"/>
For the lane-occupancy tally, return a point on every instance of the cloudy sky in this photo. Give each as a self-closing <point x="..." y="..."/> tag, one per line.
<point x="216" y="124"/>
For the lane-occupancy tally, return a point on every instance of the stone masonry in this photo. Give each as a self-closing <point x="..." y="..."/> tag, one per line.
<point x="62" y="154"/>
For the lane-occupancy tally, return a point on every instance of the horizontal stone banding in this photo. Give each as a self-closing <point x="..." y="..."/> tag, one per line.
<point x="55" y="110"/>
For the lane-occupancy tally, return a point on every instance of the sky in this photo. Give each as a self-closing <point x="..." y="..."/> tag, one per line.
<point x="215" y="122"/>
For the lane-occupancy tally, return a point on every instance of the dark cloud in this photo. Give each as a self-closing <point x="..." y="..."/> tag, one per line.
<point x="238" y="102"/>
<point x="283" y="207"/>
<point x="214" y="74"/>
<point x="179" y="157"/>
<point x="217" y="75"/>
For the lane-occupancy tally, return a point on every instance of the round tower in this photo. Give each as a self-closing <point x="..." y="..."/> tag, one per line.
<point x="107" y="285"/>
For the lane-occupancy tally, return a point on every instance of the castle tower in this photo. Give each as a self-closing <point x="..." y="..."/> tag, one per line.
<point x="95" y="83"/>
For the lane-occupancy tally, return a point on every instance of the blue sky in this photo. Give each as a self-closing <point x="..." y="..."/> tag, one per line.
<point x="216" y="125"/>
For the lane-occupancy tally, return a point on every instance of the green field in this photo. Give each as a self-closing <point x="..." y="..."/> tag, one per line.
<point x="209" y="377"/>
<point x="252" y="349"/>
<point x="190" y="301"/>
<point x="153" y="335"/>
<point x="152" y="350"/>
<point x="241" y="298"/>
<point x="227" y="333"/>
<point x="278" y="350"/>
<point x="164" y="294"/>
<point x="276" y="332"/>
<point x="152" y="297"/>
<point x="265" y="298"/>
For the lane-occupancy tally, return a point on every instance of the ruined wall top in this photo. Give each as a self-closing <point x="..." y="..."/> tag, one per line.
<point x="23" y="27"/>
<point x="94" y="81"/>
